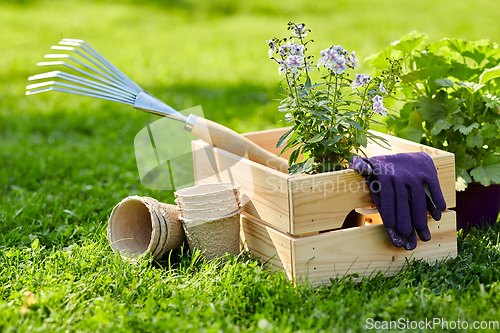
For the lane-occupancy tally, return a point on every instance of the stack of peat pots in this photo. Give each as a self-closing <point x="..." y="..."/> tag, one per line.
<point x="210" y="215"/>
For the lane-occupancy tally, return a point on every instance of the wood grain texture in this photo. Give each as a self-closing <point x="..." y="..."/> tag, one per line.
<point x="367" y="250"/>
<point x="267" y="140"/>
<point x="322" y="201"/>
<point x="223" y="137"/>
<point x="263" y="241"/>
<point x="362" y="250"/>
<point x="264" y="190"/>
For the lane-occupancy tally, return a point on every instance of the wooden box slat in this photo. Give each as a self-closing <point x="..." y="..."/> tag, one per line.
<point x="362" y="250"/>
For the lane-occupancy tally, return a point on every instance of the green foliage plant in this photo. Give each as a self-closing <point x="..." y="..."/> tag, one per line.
<point x="450" y="95"/>
<point x="331" y="117"/>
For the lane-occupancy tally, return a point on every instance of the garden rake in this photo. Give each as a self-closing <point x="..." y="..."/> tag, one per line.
<point x="101" y="79"/>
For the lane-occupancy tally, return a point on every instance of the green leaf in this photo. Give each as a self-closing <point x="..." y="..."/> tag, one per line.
<point x="414" y="130"/>
<point x="452" y="107"/>
<point x="463" y="72"/>
<point x="411" y="42"/>
<point x="285" y="137"/>
<point x="421" y="74"/>
<point x="481" y="50"/>
<point x="474" y="140"/>
<point x="379" y="60"/>
<point x="488" y="131"/>
<point x="308" y="164"/>
<point x="361" y="137"/>
<point x="296" y="169"/>
<point x="439" y="126"/>
<point x="472" y="87"/>
<point x="460" y="184"/>
<point x="444" y="82"/>
<point x="436" y="46"/>
<point x="457" y="121"/>
<point x="492" y="101"/>
<point x="294" y="156"/>
<point x="490" y="74"/>
<point x="289" y="117"/>
<point x="462" y="179"/>
<point x="488" y="171"/>
<point x="469" y="161"/>
<point x="333" y="140"/>
<point x="355" y="124"/>
<point x="459" y="152"/>
<point x="432" y="109"/>
<point x="465" y="130"/>
<point x="308" y="84"/>
<point x="318" y="137"/>
<point x="459" y="45"/>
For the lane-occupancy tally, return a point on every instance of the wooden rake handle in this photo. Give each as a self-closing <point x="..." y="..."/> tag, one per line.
<point x="222" y="137"/>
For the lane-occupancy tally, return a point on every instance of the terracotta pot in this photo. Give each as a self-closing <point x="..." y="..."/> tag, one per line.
<point x="478" y="206"/>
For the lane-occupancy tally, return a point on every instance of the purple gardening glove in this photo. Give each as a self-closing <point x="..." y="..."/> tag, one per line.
<point x="403" y="186"/>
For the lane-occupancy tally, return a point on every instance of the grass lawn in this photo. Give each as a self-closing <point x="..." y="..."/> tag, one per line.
<point x="65" y="161"/>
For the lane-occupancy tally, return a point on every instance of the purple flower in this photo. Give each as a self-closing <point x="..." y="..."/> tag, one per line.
<point x="334" y="58"/>
<point x="295" y="49"/>
<point x="272" y="48"/>
<point x="353" y="62"/>
<point x="378" y="105"/>
<point x="271" y="44"/>
<point x="339" y="64"/>
<point x="361" y="81"/>
<point x="299" y="30"/>
<point x="339" y="49"/>
<point x="381" y="88"/>
<point x="283" y="66"/>
<point x="282" y="50"/>
<point x="294" y="62"/>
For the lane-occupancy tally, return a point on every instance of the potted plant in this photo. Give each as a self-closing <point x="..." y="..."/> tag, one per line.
<point x="330" y="111"/>
<point x="450" y="99"/>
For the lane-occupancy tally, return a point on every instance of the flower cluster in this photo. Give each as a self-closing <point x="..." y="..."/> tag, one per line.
<point x="291" y="56"/>
<point x="378" y="105"/>
<point x="299" y="30"/>
<point x="336" y="59"/>
<point x="330" y="122"/>
<point x="362" y="80"/>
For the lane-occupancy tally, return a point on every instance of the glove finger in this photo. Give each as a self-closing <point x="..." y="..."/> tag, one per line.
<point x="432" y="184"/>
<point x="432" y="180"/>
<point x="403" y="217"/>
<point x="362" y="166"/>
<point x="435" y="213"/>
<point x="418" y="210"/>
<point x="396" y="239"/>
<point x="411" y="241"/>
<point x="385" y="201"/>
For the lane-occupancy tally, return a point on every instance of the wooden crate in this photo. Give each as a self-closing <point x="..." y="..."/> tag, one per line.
<point x="362" y="250"/>
<point x="297" y="219"/>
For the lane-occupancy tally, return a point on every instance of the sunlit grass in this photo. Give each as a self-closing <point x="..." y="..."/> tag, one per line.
<point x="66" y="160"/>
